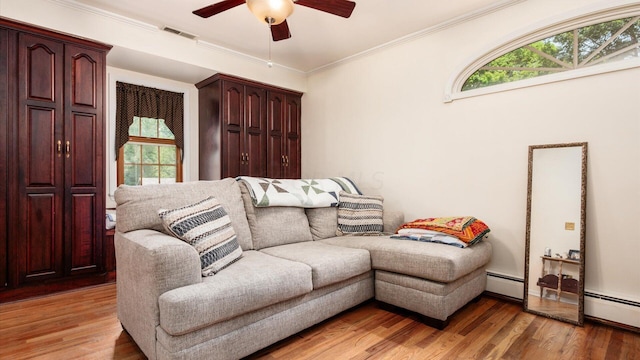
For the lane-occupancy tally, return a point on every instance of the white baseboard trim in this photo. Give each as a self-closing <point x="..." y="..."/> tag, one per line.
<point x="505" y="285"/>
<point x="596" y="305"/>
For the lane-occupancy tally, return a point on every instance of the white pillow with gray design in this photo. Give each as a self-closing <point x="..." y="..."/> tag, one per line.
<point x="206" y="226"/>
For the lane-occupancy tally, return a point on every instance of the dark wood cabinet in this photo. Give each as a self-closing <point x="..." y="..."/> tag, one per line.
<point x="283" y="146"/>
<point x="258" y="125"/>
<point x="53" y="161"/>
<point x="4" y="163"/>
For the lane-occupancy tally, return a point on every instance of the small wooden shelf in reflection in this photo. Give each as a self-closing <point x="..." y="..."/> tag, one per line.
<point x="557" y="283"/>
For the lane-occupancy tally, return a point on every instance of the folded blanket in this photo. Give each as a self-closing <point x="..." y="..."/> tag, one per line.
<point x="466" y="228"/>
<point x="306" y="193"/>
<point x="429" y="236"/>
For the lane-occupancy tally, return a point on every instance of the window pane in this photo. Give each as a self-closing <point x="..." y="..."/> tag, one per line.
<point x="167" y="174"/>
<point x="560" y="47"/>
<point x="167" y="155"/>
<point x="149" y="127"/>
<point x="150" y="174"/>
<point x="163" y="131"/>
<point x="131" y="153"/>
<point x="132" y="175"/>
<point x="134" y="129"/>
<point x="150" y="154"/>
<point x="624" y="47"/>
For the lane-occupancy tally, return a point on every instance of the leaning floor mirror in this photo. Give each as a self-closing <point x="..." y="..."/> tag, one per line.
<point x="555" y="233"/>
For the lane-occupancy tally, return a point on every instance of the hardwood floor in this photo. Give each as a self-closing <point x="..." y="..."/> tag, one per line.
<point x="556" y="308"/>
<point x="82" y="325"/>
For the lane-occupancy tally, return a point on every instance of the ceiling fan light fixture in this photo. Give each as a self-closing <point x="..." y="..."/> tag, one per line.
<point x="272" y="12"/>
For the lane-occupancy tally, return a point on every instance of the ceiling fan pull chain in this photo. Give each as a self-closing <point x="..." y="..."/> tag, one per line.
<point x="269" y="63"/>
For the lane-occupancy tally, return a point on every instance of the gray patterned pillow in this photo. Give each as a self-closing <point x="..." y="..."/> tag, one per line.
<point x="206" y="226"/>
<point x="360" y="215"/>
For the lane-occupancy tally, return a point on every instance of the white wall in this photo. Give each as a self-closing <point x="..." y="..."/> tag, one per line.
<point x="381" y="119"/>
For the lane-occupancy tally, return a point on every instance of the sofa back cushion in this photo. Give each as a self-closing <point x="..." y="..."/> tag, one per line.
<point x="138" y="205"/>
<point x="275" y="225"/>
<point x="323" y="222"/>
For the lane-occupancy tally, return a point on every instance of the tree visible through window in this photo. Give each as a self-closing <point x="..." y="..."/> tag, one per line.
<point x="587" y="46"/>
<point x="150" y="156"/>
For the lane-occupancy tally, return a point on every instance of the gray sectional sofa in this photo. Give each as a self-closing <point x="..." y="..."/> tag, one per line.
<point x="294" y="273"/>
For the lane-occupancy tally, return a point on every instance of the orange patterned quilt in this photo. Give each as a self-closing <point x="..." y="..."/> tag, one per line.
<point x="466" y="228"/>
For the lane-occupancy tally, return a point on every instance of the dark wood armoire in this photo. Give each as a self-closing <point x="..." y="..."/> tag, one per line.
<point x="258" y="127"/>
<point x="52" y="165"/>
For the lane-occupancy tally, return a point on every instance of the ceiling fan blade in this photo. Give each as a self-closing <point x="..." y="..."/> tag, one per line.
<point x="280" y="31"/>
<point x="217" y="8"/>
<point x="342" y="8"/>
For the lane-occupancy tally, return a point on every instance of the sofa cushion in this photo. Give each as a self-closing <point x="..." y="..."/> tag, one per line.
<point x="138" y="205"/>
<point x="205" y="225"/>
<point x="431" y="261"/>
<point x="255" y="281"/>
<point x="329" y="264"/>
<point x="359" y="215"/>
<point x="276" y="225"/>
<point x="323" y="222"/>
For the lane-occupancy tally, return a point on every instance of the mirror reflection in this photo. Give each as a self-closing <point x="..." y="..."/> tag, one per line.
<point x="554" y="271"/>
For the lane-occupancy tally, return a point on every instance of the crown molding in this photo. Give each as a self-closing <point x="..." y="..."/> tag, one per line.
<point x="107" y="14"/>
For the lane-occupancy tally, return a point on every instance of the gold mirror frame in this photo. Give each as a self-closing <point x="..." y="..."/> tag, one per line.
<point x="583" y="206"/>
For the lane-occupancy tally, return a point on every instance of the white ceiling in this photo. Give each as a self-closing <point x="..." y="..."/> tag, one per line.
<point x="318" y="38"/>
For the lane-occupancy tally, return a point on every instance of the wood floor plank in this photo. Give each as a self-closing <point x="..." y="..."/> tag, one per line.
<point x="83" y="325"/>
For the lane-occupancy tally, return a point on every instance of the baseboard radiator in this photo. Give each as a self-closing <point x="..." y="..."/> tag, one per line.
<point x="599" y="307"/>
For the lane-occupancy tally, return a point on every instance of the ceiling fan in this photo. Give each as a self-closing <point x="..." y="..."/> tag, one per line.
<point x="275" y="12"/>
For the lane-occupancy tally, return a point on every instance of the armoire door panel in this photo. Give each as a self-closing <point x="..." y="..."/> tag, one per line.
<point x="42" y="61"/>
<point x="232" y="127"/>
<point x="255" y="134"/>
<point x="43" y="151"/>
<point x="275" y="143"/>
<point x="293" y="137"/>
<point x="4" y="160"/>
<point x="42" y="246"/>
<point x="232" y="161"/>
<point x="83" y="249"/>
<point x="84" y="76"/>
<point x="233" y="108"/>
<point x="80" y="154"/>
<point x="255" y="109"/>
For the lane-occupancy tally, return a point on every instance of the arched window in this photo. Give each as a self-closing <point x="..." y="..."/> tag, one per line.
<point x="548" y="55"/>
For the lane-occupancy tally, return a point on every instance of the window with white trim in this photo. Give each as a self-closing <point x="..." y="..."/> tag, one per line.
<point x="591" y="45"/>
<point x="596" y="39"/>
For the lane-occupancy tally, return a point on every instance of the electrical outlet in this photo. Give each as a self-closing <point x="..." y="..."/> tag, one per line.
<point x="569" y="226"/>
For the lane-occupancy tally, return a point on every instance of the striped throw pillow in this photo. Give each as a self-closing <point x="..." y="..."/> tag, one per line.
<point x="206" y="226"/>
<point x="359" y="215"/>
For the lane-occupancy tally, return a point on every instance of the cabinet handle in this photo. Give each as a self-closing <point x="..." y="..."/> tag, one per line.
<point x="59" y="147"/>
<point x="287" y="160"/>
<point x="68" y="148"/>
<point x="283" y="161"/>
<point x="247" y="158"/>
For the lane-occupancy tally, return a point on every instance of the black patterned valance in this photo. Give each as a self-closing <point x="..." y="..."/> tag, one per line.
<point x="135" y="100"/>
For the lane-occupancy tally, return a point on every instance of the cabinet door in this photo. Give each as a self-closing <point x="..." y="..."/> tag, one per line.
<point x="276" y="107"/>
<point x="254" y="141"/>
<point x="84" y="161"/>
<point x="38" y="219"/>
<point x="292" y="140"/>
<point x="4" y="92"/>
<point x="232" y="109"/>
